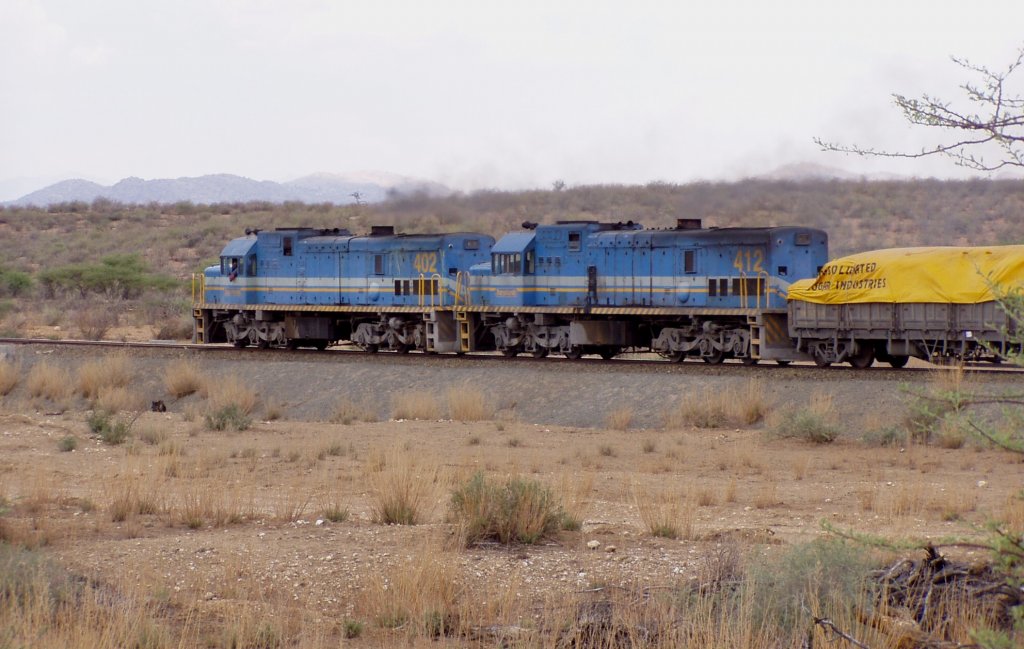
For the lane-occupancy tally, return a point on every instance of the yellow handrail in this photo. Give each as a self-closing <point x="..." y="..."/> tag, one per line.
<point x="436" y="296"/>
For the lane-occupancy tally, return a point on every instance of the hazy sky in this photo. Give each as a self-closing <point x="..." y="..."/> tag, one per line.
<point x="473" y="94"/>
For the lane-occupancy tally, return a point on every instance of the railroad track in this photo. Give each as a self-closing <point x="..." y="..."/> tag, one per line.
<point x="628" y="363"/>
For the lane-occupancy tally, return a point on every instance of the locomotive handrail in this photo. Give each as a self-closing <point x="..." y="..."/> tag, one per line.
<point x="421" y="284"/>
<point x="461" y="284"/>
<point x="436" y="291"/>
<point x="198" y="287"/>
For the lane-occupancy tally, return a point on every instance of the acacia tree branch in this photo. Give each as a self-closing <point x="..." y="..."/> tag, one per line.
<point x="999" y="124"/>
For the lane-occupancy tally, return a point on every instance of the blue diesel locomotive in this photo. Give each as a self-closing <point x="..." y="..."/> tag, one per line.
<point x="579" y="287"/>
<point x="312" y="287"/>
<point x="572" y="288"/>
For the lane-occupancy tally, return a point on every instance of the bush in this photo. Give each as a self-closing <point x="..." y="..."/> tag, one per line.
<point x="515" y="511"/>
<point x="182" y="378"/>
<point x="9" y="375"/>
<point x="230" y="416"/>
<point x="67" y="444"/>
<point x="111" y="430"/>
<point x="121" y="276"/>
<point x="815" y="422"/>
<point x="14" y="283"/>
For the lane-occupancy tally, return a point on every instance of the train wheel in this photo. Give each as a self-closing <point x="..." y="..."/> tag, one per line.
<point x="403" y="349"/>
<point x="898" y="360"/>
<point x="609" y="352"/>
<point x="510" y="352"/>
<point x="263" y="344"/>
<point x="783" y="363"/>
<point x="820" y="361"/>
<point x="244" y="342"/>
<point x="320" y="345"/>
<point x="575" y="353"/>
<point x="748" y="360"/>
<point x="675" y="357"/>
<point x="715" y="358"/>
<point x="864" y="358"/>
<point x="372" y="349"/>
<point x="540" y="352"/>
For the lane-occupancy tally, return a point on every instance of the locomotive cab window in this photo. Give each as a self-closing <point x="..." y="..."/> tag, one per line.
<point x="575" y="239"/>
<point x="286" y="246"/>
<point x="250" y="266"/>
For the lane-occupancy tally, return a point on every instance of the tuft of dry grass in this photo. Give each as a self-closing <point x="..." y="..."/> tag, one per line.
<point x="10" y="374"/>
<point x="417" y="404"/>
<point x="469" y="403"/>
<point x="117" y="399"/>
<point x="230" y="391"/>
<point x="113" y="371"/>
<point x="816" y="422"/>
<point x="665" y="513"/>
<point x="403" y="488"/>
<point x="183" y="377"/>
<point x="745" y="405"/>
<point x="620" y="418"/>
<point x="419" y="595"/>
<point x="346" y="411"/>
<point x="48" y="381"/>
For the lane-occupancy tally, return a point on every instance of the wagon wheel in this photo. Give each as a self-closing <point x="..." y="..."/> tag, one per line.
<point x="241" y="342"/>
<point x="371" y="348"/>
<point x="675" y="357"/>
<point x="403" y="349"/>
<point x="510" y="352"/>
<point x="609" y="352"/>
<point x="575" y="353"/>
<point x="783" y="363"/>
<point x="540" y="352"/>
<point x="320" y="345"/>
<point x="715" y="357"/>
<point x="898" y="360"/>
<point x="864" y="358"/>
<point x="747" y="360"/>
<point x="821" y="361"/>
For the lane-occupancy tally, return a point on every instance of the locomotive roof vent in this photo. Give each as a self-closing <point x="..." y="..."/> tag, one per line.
<point x="381" y="230"/>
<point x="688" y="224"/>
<point x="529" y="225"/>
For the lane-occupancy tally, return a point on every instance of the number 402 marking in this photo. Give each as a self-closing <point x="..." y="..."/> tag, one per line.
<point x="425" y="262"/>
<point x="749" y="260"/>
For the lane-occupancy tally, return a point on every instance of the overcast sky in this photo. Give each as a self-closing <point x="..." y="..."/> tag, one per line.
<point x="474" y="94"/>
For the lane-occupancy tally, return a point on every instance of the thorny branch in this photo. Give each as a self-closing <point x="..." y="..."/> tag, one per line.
<point x="999" y="123"/>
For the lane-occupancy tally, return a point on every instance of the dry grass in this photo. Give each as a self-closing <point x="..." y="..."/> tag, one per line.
<point x="403" y="488"/>
<point x="183" y="377"/>
<point x="10" y="374"/>
<point x="117" y="399"/>
<point x="621" y="418"/>
<point x="48" y="381"/>
<point x="419" y="595"/>
<point x="114" y="371"/>
<point x="665" y="513"/>
<point x="230" y="391"/>
<point x="417" y="404"/>
<point x="346" y="411"/>
<point x="573" y="492"/>
<point x="469" y="403"/>
<point x="744" y="404"/>
<point x="816" y="422"/>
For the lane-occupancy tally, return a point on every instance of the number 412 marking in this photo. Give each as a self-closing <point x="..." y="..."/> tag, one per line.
<point x="749" y="260"/>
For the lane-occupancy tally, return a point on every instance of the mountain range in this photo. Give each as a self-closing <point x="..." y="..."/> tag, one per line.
<point x="339" y="189"/>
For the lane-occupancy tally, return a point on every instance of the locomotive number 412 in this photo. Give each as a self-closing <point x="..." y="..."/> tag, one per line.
<point x="749" y="260"/>
<point x="425" y="262"/>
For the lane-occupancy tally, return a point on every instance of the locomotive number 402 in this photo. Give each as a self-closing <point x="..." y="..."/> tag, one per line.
<point x="425" y="262"/>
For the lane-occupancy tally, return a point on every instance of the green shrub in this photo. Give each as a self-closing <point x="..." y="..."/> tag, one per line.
<point x="807" y="425"/>
<point x="352" y="629"/>
<point x="14" y="283"/>
<point x="124" y="276"/>
<point x="515" y="511"/>
<point x="111" y="430"/>
<point x="230" y="416"/>
<point x="67" y="444"/>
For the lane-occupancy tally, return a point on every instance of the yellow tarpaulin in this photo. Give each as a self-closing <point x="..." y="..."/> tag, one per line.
<point x="938" y="274"/>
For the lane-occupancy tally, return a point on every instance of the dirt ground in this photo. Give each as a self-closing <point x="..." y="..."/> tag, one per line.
<point x="244" y="518"/>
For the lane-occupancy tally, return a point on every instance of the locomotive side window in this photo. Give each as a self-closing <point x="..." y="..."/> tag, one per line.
<point x="712" y="288"/>
<point x="803" y="239"/>
<point x="723" y="287"/>
<point x="251" y="267"/>
<point x="378" y="264"/>
<point x="286" y="244"/>
<point x="530" y="268"/>
<point x="471" y="244"/>
<point x="783" y="271"/>
<point x="689" y="261"/>
<point x="574" y="241"/>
